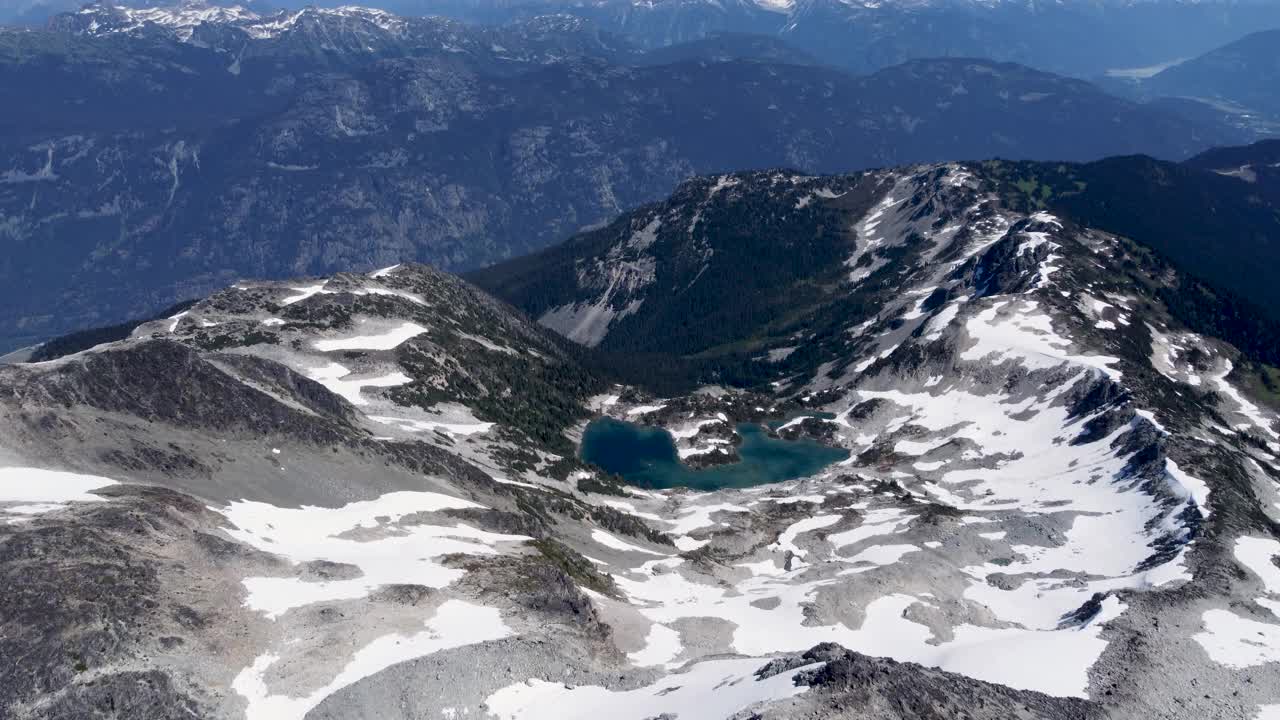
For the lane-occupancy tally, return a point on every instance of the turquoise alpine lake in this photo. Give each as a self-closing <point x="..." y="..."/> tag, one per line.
<point x="647" y="457"/>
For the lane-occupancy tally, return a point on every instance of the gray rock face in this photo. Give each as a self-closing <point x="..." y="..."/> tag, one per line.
<point x="852" y="685"/>
<point x="93" y="600"/>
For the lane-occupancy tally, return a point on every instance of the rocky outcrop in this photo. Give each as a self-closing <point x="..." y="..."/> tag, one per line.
<point x="851" y="685"/>
<point x="94" y="598"/>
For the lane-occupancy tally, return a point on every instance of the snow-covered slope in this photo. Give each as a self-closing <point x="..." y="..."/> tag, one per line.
<point x="359" y="495"/>
<point x="180" y="19"/>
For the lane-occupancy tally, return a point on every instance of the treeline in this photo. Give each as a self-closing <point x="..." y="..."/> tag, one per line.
<point x="84" y="339"/>
<point x="1221" y="234"/>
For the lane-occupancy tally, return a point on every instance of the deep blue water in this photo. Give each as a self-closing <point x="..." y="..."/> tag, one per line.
<point x="647" y="457"/>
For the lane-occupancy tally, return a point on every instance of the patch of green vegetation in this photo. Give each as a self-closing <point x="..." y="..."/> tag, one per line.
<point x="516" y="460"/>
<point x="602" y="485"/>
<point x="780" y="262"/>
<point x="1035" y="194"/>
<point x="582" y="570"/>
<point x="618" y="521"/>
<point x="564" y="467"/>
<point x="536" y="397"/>
<point x="1260" y="381"/>
<point x="1028" y="186"/>
<point x="223" y="341"/>
<point x="85" y="339"/>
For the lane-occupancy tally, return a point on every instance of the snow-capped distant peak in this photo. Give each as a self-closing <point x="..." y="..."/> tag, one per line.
<point x="105" y="19"/>
<point x="180" y="18"/>
<point x="781" y="6"/>
<point x="271" y="26"/>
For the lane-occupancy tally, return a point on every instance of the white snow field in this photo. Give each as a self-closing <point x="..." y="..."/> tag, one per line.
<point x="709" y="689"/>
<point x="343" y="383"/>
<point x="449" y="428"/>
<point x="1257" y="554"/>
<point x="1241" y="637"/>
<point x="366" y="534"/>
<point x="390" y="543"/>
<point x="34" y="491"/>
<point x="454" y="624"/>
<point x="389" y="339"/>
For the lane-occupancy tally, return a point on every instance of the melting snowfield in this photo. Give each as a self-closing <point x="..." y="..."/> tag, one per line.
<point x="465" y="426"/>
<point x="345" y="384"/>
<point x="1245" y="637"/>
<point x="26" y="491"/>
<point x="712" y="689"/>
<point x="454" y="624"/>
<point x="396" y="539"/>
<point x="389" y="339"/>
<point x="367" y="535"/>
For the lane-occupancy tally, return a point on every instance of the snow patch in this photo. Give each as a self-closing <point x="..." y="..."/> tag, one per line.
<point x="455" y="624"/>
<point x="613" y="542"/>
<point x="337" y="378"/>
<point x="710" y="690"/>
<point x="387" y="340"/>
<point x="34" y="491"/>
<point x="367" y="534"/>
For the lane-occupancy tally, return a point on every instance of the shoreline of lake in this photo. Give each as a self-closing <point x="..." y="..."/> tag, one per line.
<point x="647" y="457"/>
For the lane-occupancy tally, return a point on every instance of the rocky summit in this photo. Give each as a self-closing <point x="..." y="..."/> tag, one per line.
<point x="362" y="495"/>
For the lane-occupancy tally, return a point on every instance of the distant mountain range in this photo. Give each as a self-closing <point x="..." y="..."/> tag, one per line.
<point x="1083" y="38"/>
<point x="159" y="156"/>
<point x="1239" y="82"/>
